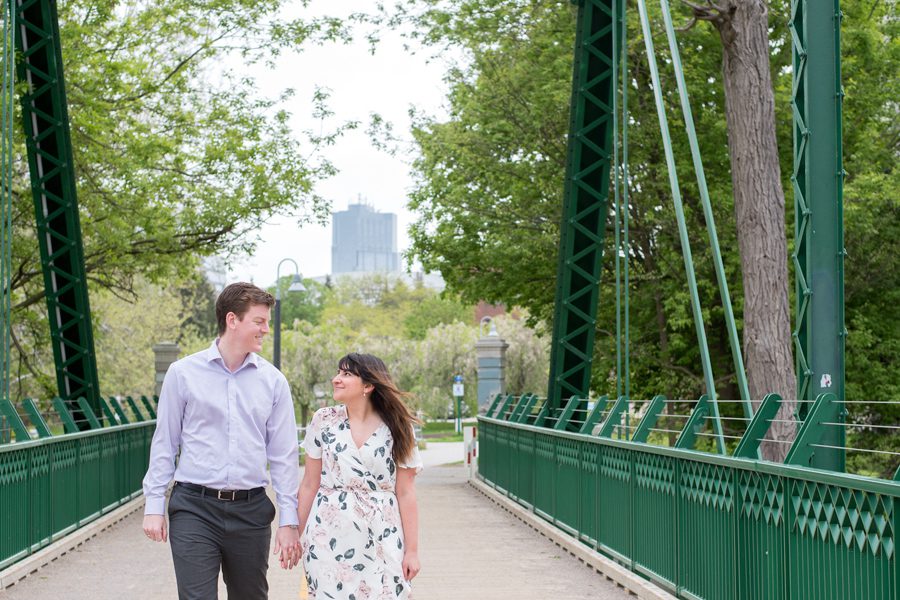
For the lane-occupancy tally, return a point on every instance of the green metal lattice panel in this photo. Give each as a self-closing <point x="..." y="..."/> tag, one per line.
<point x="568" y="481"/>
<point x="523" y="466"/>
<point x="545" y="473"/>
<point x="615" y="510"/>
<point x="49" y="146"/>
<point x="655" y="516"/>
<point x="706" y="531"/>
<point x="760" y="536"/>
<point x="842" y="542"/>
<point x="588" y="480"/>
<point x="584" y="213"/>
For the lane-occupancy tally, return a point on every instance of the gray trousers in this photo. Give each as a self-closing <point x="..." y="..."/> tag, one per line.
<point x="206" y="533"/>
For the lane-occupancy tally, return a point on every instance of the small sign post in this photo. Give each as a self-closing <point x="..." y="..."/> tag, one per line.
<point x="458" y="392"/>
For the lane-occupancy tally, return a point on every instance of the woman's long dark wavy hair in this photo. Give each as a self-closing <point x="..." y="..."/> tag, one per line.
<point x="387" y="399"/>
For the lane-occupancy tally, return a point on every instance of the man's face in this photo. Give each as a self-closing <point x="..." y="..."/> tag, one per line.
<point x="248" y="332"/>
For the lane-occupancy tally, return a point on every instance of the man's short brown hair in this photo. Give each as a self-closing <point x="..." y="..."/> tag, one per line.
<point x="237" y="298"/>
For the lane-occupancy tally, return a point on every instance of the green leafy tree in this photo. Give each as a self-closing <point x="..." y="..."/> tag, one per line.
<point x="125" y="330"/>
<point x="432" y="311"/>
<point x="424" y="339"/>
<point x="176" y="156"/>
<point x="301" y="306"/>
<point x="489" y="179"/>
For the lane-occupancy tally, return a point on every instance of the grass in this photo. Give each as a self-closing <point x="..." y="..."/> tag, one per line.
<point x="431" y="427"/>
<point x="455" y="437"/>
<point x="443" y="431"/>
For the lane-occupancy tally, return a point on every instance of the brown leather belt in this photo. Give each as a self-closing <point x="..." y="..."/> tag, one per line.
<point x="229" y="495"/>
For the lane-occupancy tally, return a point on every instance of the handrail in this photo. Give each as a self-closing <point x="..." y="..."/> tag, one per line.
<point x="54" y="485"/>
<point x="699" y="524"/>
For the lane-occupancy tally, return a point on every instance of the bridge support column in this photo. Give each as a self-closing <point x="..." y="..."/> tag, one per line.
<point x="491" y="352"/>
<point x="165" y="354"/>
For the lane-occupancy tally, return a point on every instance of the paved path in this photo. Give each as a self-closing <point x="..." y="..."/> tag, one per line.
<point x="469" y="549"/>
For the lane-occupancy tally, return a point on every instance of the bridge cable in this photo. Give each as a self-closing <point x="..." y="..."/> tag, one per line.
<point x="708" y="213"/>
<point x="682" y="227"/>
<point x="620" y="179"/>
<point x="6" y="175"/>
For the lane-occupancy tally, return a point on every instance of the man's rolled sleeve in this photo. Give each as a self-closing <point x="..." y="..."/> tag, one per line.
<point x="283" y="454"/>
<point x="164" y="447"/>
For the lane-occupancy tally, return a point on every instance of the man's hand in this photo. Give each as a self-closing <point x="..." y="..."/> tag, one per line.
<point x="287" y="546"/>
<point x="155" y="527"/>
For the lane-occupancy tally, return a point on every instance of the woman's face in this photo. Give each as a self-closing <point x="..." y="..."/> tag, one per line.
<point x="348" y="387"/>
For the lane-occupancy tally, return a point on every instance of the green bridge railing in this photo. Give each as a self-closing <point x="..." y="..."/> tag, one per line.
<point x="51" y="486"/>
<point x="698" y="524"/>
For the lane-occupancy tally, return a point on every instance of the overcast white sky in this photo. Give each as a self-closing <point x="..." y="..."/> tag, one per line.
<point x="388" y="83"/>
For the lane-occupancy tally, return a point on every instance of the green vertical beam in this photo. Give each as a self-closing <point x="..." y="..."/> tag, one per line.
<point x="699" y="415"/>
<point x="563" y="421"/>
<point x="49" y="147"/>
<point x="748" y="447"/>
<point x="817" y="179"/>
<point x="614" y="418"/>
<point x="139" y="417"/>
<point x="496" y="403"/>
<point x="649" y="421"/>
<point x="518" y="408"/>
<point x="62" y="409"/>
<point x="504" y="406"/>
<point x="148" y="406"/>
<point x="116" y="406"/>
<point x="7" y="176"/>
<point x="682" y="228"/>
<point x="584" y="213"/>
<point x="543" y="413"/>
<point x="8" y="411"/>
<point x="815" y="432"/>
<point x="525" y="413"/>
<point x="89" y="414"/>
<point x="594" y="416"/>
<point x="108" y="413"/>
<point x="37" y="420"/>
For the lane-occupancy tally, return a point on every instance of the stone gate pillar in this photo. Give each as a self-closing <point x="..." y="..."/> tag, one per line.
<point x="491" y="352"/>
<point x="165" y="354"/>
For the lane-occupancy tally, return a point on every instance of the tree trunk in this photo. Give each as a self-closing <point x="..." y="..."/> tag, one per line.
<point x="759" y="210"/>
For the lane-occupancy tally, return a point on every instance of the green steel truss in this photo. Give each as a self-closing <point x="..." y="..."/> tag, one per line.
<point x="50" y="161"/>
<point x="584" y="214"/>
<point x="818" y="186"/>
<point x="817" y="180"/>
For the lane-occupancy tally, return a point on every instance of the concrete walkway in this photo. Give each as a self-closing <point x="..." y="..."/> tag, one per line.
<point x="468" y="546"/>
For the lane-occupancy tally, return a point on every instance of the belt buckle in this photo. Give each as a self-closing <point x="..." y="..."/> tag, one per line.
<point x="229" y="496"/>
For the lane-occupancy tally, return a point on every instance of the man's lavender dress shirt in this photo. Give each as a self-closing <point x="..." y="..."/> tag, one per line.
<point x="229" y="426"/>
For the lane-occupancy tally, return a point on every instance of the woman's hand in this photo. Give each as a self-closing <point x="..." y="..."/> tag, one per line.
<point x="411" y="565"/>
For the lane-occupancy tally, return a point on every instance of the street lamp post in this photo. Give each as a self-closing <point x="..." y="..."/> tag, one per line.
<point x="296" y="286"/>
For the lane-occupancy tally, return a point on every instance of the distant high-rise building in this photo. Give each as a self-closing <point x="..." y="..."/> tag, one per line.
<point x="364" y="241"/>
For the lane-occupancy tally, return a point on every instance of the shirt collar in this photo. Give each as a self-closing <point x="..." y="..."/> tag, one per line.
<point x="213" y="354"/>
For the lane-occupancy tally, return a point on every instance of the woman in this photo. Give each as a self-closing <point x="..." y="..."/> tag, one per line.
<point x="357" y="501"/>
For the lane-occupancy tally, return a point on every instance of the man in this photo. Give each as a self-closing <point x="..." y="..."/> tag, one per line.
<point x="230" y="413"/>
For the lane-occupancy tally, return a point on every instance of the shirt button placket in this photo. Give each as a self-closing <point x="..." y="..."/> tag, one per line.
<point x="231" y="428"/>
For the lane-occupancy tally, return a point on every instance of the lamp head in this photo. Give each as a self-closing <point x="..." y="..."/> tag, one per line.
<point x="297" y="284"/>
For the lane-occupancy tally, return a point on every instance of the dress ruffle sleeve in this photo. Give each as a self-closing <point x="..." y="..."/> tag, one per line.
<point x="413" y="461"/>
<point x="312" y="442"/>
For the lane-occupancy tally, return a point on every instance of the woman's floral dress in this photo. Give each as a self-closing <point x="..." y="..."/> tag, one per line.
<point x="353" y="539"/>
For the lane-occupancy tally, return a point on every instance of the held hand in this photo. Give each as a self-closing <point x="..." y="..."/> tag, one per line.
<point x="411" y="565"/>
<point x="287" y="546"/>
<point x="155" y="527"/>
